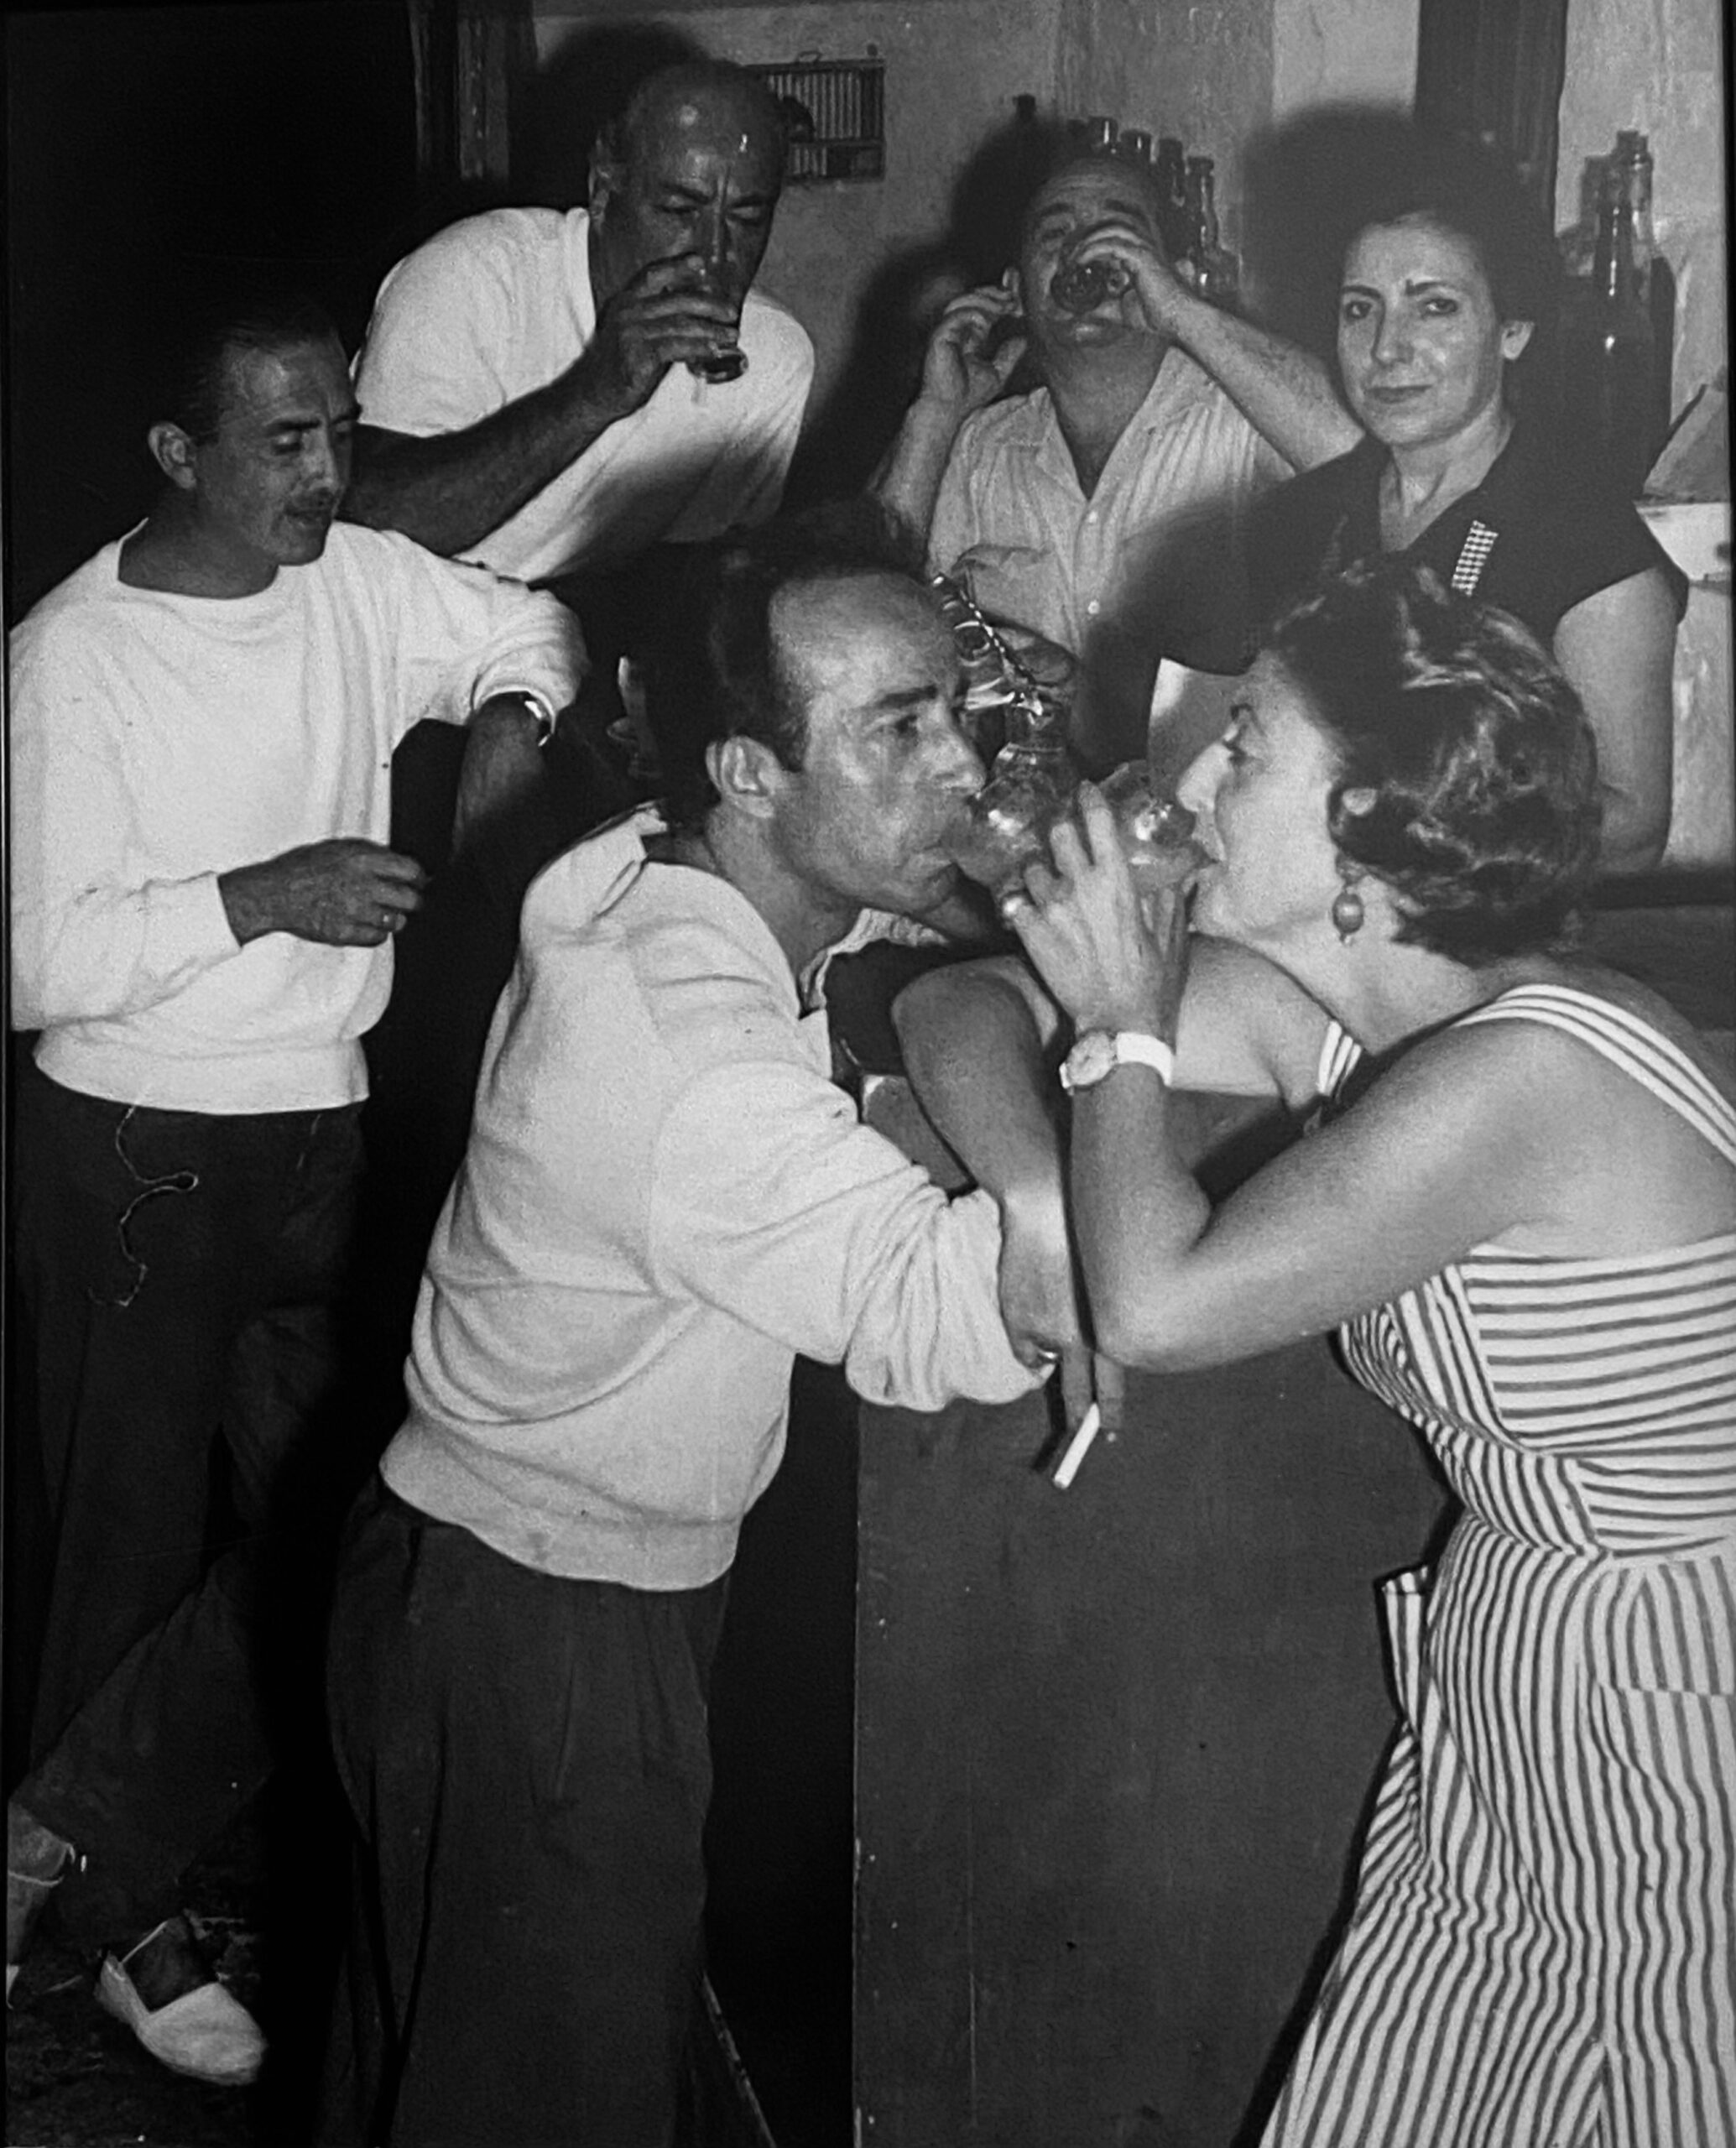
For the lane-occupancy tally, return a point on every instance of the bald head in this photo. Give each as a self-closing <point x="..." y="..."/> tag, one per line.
<point x="705" y="95"/>
<point x="693" y="165"/>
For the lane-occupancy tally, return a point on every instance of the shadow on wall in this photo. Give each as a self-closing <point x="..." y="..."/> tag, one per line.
<point x="1305" y="183"/>
<point x="586" y="80"/>
<point x="903" y="299"/>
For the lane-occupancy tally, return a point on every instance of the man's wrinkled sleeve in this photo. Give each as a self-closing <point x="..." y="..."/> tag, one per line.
<point x="87" y="941"/>
<point x="468" y="634"/>
<point x="771" y="1203"/>
<point x="431" y="360"/>
<point x="956" y="524"/>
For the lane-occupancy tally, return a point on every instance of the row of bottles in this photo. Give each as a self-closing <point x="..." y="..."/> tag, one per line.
<point x="1619" y="324"/>
<point x="1187" y="206"/>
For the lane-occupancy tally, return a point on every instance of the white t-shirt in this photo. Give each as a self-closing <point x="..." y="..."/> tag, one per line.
<point x="159" y="740"/>
<point x="665" y="1198"/>
<point x="499" y="304"/>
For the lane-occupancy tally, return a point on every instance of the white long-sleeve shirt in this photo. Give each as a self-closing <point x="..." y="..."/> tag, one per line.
<point x="666" y="1199"/>
<point x="160" y="740"/>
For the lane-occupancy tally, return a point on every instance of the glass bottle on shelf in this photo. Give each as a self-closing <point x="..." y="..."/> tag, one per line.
<point x="1654" y="279"/>
<point x="1102" y="132"/>
<point x="1216" y="271"/>
<point x="1170" y="163"/>
<point x="1609" y="384"/>
<point x="1136" y="145"/>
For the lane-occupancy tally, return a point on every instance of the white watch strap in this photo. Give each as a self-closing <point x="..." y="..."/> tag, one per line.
<point x="1145" y="1050"/>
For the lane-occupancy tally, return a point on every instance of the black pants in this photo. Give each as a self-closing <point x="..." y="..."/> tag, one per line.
<point x="527" y="1761"/>
<point x="180" y="1270"/>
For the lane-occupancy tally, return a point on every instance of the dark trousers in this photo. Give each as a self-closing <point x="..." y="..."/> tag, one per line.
<point x="527" y="1761"/>
<point x="178" y="1271"/>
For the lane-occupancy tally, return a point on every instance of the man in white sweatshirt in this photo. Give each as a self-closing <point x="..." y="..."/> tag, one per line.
<point x="203" y="911"/>
<point x="665" y="1199"/>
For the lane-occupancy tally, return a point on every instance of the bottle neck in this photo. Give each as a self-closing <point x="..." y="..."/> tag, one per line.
<point x="1636" y="189"/>
<point x="1035" y="726"/>
<point x="1613" y="265"/>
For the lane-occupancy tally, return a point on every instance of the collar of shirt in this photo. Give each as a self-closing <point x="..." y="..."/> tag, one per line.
<point x="1178" y="385"/>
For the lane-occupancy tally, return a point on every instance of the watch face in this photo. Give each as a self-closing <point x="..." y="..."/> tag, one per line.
<point x="1091" y="1057"/>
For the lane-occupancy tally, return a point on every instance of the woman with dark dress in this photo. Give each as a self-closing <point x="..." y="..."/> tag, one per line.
<point x="1447" y="289"/>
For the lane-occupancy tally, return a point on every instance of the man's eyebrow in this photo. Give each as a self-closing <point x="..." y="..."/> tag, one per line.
<point x="700" y="195"/>
<point x="897" y="699"/>
<point x="350" y="412"/>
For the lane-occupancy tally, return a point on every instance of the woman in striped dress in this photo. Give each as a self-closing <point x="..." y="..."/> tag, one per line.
<point x="1518" y="1207"/>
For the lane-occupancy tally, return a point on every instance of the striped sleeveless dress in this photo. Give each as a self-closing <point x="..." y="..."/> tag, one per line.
<point x="1540" y="1951"/>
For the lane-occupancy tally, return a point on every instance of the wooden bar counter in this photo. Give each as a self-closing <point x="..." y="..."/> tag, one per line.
<point x="1112" y="1745"/>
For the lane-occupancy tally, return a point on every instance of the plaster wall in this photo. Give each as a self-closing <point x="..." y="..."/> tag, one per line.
<point x="953" y="68"/>
<point x="1660" y="67"/>
<point x="1203" y="71"/>
<point x="1343" y="52"/>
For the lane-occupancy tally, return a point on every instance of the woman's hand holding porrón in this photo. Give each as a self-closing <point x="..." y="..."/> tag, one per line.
<point x="1114" y="958"/>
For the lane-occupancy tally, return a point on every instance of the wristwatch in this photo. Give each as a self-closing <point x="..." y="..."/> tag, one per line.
<point x="1099" y="1052"/>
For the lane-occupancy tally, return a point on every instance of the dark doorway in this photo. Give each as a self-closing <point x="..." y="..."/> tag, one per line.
<point x="137" y="136"/>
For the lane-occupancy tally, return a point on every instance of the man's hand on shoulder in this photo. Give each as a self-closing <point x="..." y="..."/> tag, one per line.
<point x="346" y="892"/>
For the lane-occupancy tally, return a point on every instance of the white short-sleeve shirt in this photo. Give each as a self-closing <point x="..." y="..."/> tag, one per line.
<point x="499" y="304"/>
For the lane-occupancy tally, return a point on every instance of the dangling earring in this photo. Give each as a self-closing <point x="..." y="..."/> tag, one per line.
<point x="1347" y="913"/>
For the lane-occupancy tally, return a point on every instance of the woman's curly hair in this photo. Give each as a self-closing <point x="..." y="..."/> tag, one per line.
<point x="1468" y="770"/>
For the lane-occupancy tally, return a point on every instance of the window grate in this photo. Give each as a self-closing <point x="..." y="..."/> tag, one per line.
<point x="836" y="114"/>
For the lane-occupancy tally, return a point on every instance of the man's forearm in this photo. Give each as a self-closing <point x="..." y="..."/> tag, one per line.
<point x="449" y="490"/>
<point x="1285" y="392"/>
<point x="907" y="481"/>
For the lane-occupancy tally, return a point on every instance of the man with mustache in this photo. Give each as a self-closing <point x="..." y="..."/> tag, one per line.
<point x="203" y="911"/>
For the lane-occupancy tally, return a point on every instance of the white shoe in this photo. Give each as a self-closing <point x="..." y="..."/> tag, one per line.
<point x="205" y="2034"/>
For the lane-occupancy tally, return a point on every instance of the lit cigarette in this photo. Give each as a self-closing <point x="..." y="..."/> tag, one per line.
<point x="1068" y="1468"/>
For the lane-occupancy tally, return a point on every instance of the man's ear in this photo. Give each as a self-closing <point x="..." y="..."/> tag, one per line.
<point x="174" y="454"/>
<point x="605" y="182"/>
<point x="746" y="773"/>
